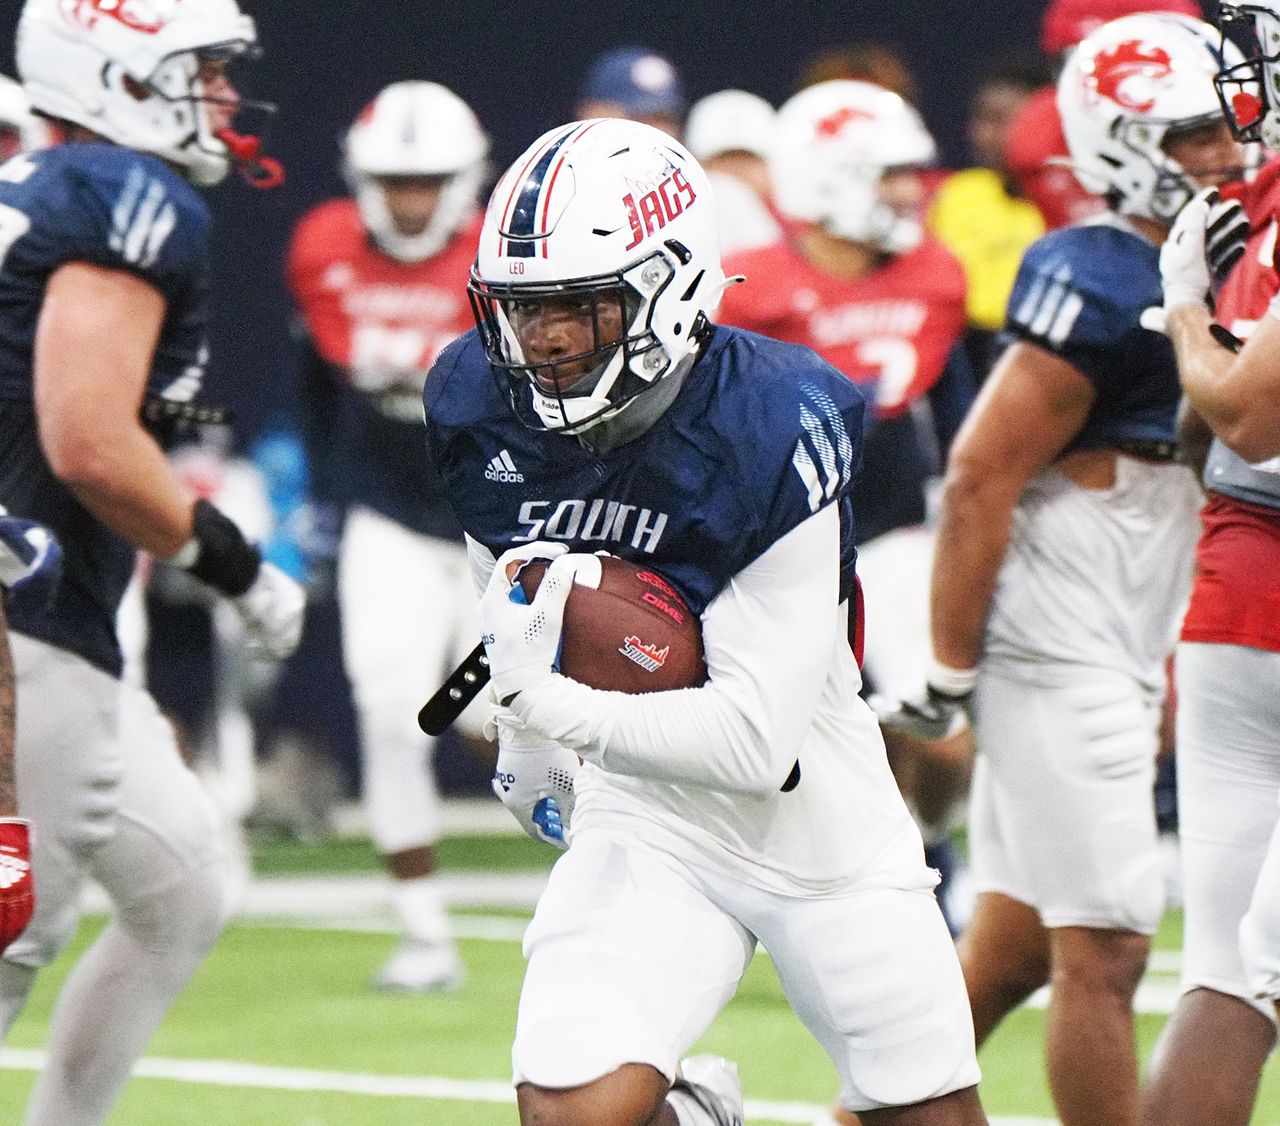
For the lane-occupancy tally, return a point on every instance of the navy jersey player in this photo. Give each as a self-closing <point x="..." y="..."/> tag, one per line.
<point x="102" y="317"/>
<point x="629" y="423"/>
<point x="1063" y="563"/>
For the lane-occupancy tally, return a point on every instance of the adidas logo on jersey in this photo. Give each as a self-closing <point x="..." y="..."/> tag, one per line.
<point x="503" y="469"/>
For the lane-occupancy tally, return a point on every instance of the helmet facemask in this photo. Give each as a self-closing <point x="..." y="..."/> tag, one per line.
<point x="615" y="369"/>
<point x="206" y="152"/>
<point x="1249" y="89"/>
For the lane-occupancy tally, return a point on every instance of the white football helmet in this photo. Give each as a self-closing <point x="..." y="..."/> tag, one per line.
<point x="416" y="129"/>
<point x="1125" y="89"/>
<point x="84" y="61"/>
<point x="599" y="208"/>
<point x="20" y="129"/>
<point x="1249" y="88"/>
<point x="836" y="140"/>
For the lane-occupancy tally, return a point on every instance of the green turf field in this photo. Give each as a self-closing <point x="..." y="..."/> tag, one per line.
<point x="278" y="1029"/>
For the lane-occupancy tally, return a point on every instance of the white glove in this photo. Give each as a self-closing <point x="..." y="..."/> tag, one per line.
<point x="534" y="779"/>
<point x="1206" y="241"/>
<point x="522" y="640"/>
<point x="272" y="610"/>
<point x="940" y="712"/>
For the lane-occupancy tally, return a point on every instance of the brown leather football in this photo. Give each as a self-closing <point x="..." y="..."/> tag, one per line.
<point x="631" y="634"/>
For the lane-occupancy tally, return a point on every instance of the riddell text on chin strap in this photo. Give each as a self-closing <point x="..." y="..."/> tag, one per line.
<point x="259" y="171"/>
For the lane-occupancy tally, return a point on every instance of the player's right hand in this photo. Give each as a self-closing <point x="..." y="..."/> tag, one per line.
<point x="30" y="561"/>
<point x="932" y="716"/>
<point x="534" y="780"/>
<point x="272" y="612"/>
<point x="17" y="890"/>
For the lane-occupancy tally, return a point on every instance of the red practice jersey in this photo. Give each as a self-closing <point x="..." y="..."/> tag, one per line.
<point x="890" y="332"/>
<point x="376" y="325"/>
<point x="367" y="312"/>
<point x="1234" y="600"/>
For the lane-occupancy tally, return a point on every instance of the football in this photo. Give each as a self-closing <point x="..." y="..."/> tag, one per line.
<point x="631" y="633"/>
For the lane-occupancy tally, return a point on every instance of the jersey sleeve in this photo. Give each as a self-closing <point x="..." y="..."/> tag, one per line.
<point x="132" y="215"/>
<point x="1079" y="293"/>
<point x="825" y="455"/>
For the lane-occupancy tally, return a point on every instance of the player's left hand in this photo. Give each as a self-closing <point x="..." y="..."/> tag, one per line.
<point x="17" y="890"/>
<point x="533" y="778"/>
<point x="522" y="639"/>
<point x="30" y="561"/>
<point x="1206" y="241"/>
<point x="932" y="716"/>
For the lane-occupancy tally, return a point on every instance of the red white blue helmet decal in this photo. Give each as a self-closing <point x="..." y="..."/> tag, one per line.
<point x="524" y="222"/>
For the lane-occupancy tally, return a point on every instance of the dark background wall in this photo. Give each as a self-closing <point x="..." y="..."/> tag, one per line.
<point x="518" y="65"/>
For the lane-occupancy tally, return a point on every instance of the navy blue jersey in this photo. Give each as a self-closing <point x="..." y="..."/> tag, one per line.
<point x="761" y="436"/>
<point x="121" y="210"/>
<point x="1079" y="294"/>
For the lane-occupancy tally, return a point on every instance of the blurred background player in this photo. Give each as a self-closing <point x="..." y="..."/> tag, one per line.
<point x="979" y="213"/>
<point x="1063" y="562"/>
<point x="732" y="132"/>
<point x="1208" y="1062"/>
<point x="1037" y="154"/>
<point x="724" y="460"/>
<point x="636" y="84"/>
<point x="380" y="280"/>
<point x="103" y="315"/>
<point x="859" y="282"/>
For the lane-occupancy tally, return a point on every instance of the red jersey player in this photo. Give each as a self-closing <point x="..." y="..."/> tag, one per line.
<point x="858" y="281"/>
<point x="380" y="281"/>
<point x="1212" y="1052"/>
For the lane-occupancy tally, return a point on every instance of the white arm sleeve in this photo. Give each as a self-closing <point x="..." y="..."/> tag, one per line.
<point x="769" y="637"/>
<point x="482" y="562"/>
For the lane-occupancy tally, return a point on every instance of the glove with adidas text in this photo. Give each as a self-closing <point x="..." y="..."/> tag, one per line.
<point x="533" y="778"/>
<point x="17" y="890"/>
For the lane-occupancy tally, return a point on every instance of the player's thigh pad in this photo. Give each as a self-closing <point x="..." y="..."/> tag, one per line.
<point x="1228" y="782"/>
<point x="894" y="569"/>
<point x="1068" y="778"/>
<point x="400" y="596"/>
<point x="875" y="977"/>
<point x="95" y="756"/>
<point x="629" y="962"/>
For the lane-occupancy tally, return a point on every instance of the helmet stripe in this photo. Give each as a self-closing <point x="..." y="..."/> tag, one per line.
<point x="515" y="186"/>
<point x="551" y="182"/>
<point x="520" y="224"/>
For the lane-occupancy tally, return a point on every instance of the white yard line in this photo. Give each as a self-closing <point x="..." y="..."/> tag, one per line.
<point x="225" y="1073"/>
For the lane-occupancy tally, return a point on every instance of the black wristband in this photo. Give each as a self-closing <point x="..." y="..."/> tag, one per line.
<point x="226" y="561"/>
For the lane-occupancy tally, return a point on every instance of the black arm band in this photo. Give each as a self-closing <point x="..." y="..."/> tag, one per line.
<point x="226" y="560"/>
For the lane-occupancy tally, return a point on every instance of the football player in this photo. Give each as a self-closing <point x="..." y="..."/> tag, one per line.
<point x="380" y="280"/>
<point x="859" y="282"/>
<point x="1063" y="562"/>
<point x="103" y="285"/>
<point x="756" y="808"/>
<point x="1208" y="1063"/>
